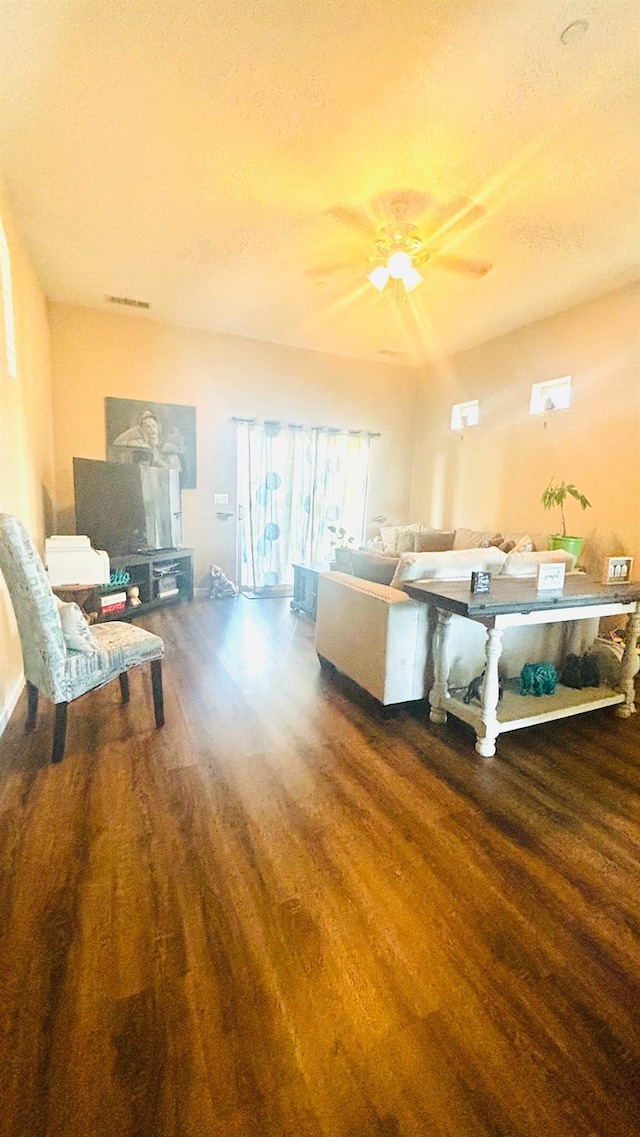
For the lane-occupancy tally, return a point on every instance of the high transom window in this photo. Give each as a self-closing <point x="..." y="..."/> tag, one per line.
<point x="551" y="395"/>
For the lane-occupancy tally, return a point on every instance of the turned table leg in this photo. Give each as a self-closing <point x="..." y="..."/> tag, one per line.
<point x="629" y="667"/>
<point x="487" y="734"/>
<point x="439" y="693"/>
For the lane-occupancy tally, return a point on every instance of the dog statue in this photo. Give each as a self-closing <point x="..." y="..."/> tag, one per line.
<point x="220" y="587"/>
<point x="538" y="679"/>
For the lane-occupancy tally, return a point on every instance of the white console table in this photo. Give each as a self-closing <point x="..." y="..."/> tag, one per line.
<point x="516" y="602"/>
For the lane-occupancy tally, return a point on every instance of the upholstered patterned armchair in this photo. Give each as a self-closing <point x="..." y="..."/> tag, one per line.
<point x="50" y="667"/>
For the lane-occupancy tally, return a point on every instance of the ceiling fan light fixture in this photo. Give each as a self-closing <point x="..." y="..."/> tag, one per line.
<point x="398" y="265"/>
<point x="412" y="278"/>
<point x="379" y="277"/>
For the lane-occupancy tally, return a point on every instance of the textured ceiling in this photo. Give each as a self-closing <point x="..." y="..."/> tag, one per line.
<point x="190" y="154"/>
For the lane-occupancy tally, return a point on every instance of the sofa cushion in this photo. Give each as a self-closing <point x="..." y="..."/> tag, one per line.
<point x="432" y="540"/>
<point x="516" y="543"/>
<point x="392" y="534"/>
<point x="405" y="540"/>
<point x="378" y="567"/>
<point x="456" y="564"/>
<point x="527" y="564"/>
<point x="476" y="538"/>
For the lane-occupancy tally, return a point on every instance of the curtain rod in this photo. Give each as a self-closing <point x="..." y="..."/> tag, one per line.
<point x="300" y="426"/>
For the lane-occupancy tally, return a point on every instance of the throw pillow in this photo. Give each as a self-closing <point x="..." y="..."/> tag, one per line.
<point x="389" y="534"/>
<point x="457" y="564"/>
<point x="376" y="567"/>
<point x="509" y="541"/>
<point x="476" y="538"/>
<point x="432" y="541"/>
<point x="526" y="564"/>
<point x="524" y="545"/>
<point x="405" y="540"/>
<point x="75" y="629"/>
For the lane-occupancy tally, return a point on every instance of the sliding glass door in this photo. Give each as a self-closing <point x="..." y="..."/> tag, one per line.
<point x="294" y="482"/>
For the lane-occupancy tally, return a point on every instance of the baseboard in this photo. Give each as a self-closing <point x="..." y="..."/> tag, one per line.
<point x="10" y="705"/>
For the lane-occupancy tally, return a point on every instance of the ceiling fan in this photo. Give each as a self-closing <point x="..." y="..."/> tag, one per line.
<point x="398" y="248"/>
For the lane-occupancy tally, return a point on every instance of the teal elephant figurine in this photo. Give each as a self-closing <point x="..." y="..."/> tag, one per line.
<point x="538" y="679"/>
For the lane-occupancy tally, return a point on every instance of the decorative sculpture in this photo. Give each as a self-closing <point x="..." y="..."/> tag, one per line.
<point x="220" y="587"/>
<point x="538" y="679"/>
<point x="580" y="671"/>
<point x="474" y="690"/>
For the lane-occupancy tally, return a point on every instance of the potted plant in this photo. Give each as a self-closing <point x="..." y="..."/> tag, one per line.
<point x="556" y="494"/>
<point x="340" y="545"/>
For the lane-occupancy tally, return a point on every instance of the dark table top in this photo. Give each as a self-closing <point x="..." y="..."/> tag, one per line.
<point x="312" y="566"/>
<point x="520" y="594"/>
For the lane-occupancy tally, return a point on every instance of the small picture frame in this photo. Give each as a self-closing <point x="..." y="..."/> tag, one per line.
<point x="551" y="577"/>
<point x="480" y="581"/>
<point x="617" y="570"/>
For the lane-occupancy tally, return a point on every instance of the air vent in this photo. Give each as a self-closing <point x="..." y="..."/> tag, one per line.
<point x="127" y="301"/>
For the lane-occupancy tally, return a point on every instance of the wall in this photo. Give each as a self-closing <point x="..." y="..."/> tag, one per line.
<point x="96" y="354"/>
<point x="494" y="474"/>
<point x="26" y="443"/>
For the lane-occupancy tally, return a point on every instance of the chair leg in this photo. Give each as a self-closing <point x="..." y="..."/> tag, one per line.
<point x="32" y="706"/>
<point x="59" y="732"/>
<point x="156" y="684"/>
<point x="124" y="687"/>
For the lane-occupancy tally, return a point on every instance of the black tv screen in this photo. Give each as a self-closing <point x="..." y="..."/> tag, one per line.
<point x="127" y="508"/>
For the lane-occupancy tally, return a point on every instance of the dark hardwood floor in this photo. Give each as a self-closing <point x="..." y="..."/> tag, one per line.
<point x="284" y="914"/>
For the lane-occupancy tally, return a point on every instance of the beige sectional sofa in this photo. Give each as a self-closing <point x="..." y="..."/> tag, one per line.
<point x="380" y="638"/>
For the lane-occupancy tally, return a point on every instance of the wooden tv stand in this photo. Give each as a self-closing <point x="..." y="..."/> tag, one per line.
<point x="145" y="571"/>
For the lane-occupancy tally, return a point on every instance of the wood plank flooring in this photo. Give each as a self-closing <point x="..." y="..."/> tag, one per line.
<point x="284" y="915"/>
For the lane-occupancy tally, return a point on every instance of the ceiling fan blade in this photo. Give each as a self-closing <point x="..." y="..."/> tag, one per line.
<point x="355" y="218"/>
<point x="459" y="264"/>
<point x="401" y="204"/>
<point x="335" y="266"/>
<point x="447" y="216"/>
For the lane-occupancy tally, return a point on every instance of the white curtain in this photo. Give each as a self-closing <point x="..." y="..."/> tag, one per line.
<point x="293" y="482"/>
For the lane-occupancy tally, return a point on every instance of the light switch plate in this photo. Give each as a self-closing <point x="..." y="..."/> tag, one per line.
<point x="221" y="499"/>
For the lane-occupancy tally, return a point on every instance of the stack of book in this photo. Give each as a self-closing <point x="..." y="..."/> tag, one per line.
<point x="113" y="602"/>
<point x="167" y="579"/>
<point x="168" y="586"/>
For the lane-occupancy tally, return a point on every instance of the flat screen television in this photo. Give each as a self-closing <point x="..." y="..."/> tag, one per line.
<point x="127" y="508"/>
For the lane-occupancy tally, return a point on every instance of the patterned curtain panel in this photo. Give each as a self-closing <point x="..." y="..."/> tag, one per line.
<point x="293" y="482"/>
<point x="340" y="464"/>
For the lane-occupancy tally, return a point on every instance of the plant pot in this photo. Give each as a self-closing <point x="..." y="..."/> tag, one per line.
<point x="342" y="558"/>
<point x="569" y="544"/>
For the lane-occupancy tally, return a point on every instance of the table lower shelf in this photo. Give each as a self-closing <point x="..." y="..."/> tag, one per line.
<point x="516" y="710"/>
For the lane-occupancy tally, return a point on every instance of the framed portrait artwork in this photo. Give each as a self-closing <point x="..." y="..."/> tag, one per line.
<point x="154" y="434"/>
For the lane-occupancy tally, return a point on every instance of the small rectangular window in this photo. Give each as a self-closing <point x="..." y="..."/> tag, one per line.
<point x="465" y="414"/>
<point x="552" y="395"/>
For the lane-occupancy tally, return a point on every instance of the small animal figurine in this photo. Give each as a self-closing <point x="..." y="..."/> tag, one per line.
<point x="571" y="674"/>
<point x="580" y="671"/>
<point x="590" y="671"/>
<point x="220" y="587"/>
<point x="474" y="690"/>
<point x="538" y="679"/>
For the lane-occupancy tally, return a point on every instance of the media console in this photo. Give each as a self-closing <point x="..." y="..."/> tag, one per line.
<point x="148" y="571"/>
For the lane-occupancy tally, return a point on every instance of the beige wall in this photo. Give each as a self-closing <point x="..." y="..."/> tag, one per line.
<point x="26" y="448"/>
<point x="494" y="474"/>
<point x="96" y="354"/>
